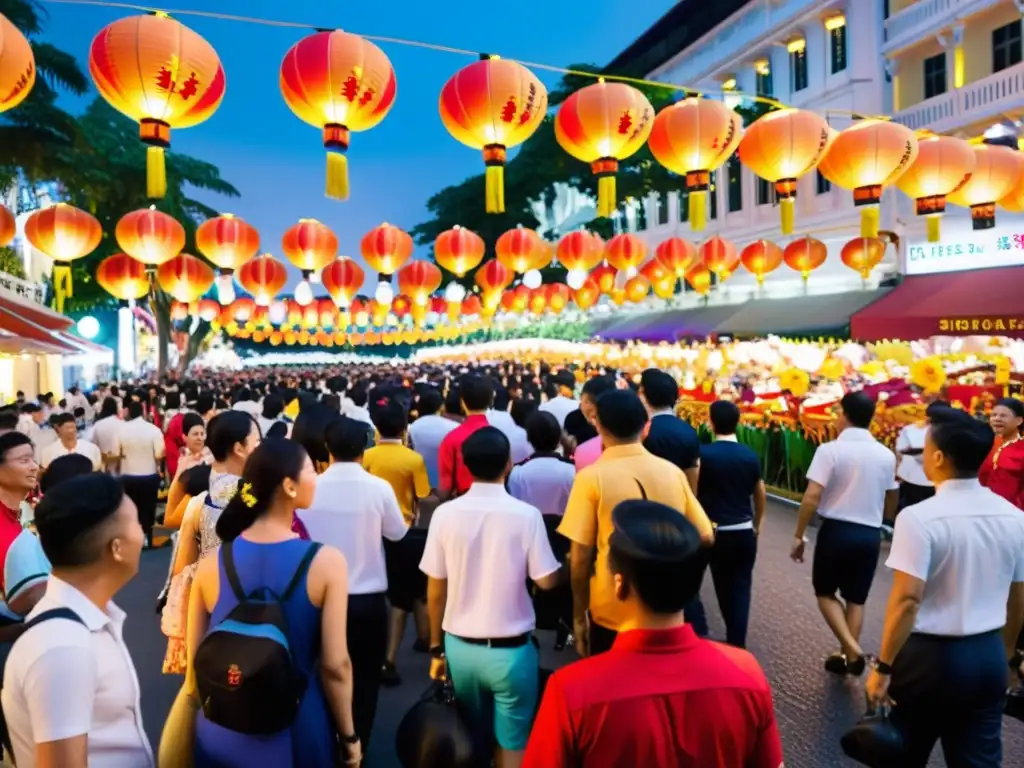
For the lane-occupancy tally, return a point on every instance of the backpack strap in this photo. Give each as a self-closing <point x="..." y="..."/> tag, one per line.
<point x="300" y="572"/>
<point x="54" y="613"/>
<point x="230" y="572"/>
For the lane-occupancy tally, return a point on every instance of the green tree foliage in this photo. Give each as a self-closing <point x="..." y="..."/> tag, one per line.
<point x="541" y="164"/>
<point x="11" y="264"/>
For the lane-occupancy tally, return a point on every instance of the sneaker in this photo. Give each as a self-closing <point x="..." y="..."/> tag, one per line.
<point x="836" y="664"/>
<point x="389" y="677"/>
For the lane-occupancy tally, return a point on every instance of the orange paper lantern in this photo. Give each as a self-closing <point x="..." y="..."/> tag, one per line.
<point x="605" y="276"/>
<point x="699" y="277"/>
<point x="781" y="147"/>
<point x="538" y="301"/>
<point x="515" y="300"/>
<point x="664" y="289"/>
<point x="17" y="66"/>
<point x="459" y="250"/>
<point x="637" y="288"/>
<point x="676" y="255"/>
<point x="558" y="296"/>
<point x="338" y="82"/>
<point x="264" y="277"/>
<point x="602" y="124"/>
<point x="491" y="105"/>
<point x="580" y="250"/>
<point x="942" y="165"/>
<point x="625" y="252"/>
<point x="310" y="246"/>
<point x="64" y="233"/>
<point x="761" y="257"/>
<point x="208" y="309"/>
<point x="864" y="158"/>
<point x="863" y="254"/>
<point x="227" y="242"/>
<point x="343" y="279"/>
<point x="386" y="248"/>
<point x="185" y="277"/>
<point x="655" y="272"/>
<point x="160" y="73"/>
<point x="997" y="172"/>
<point x="805" y="255"/>
<point x="150" y="236"/>
<point x="720" y="256"/>
<point x="586" y="296"/>
<point x="8" y="225"/>
<point x="470" y="306"/>
<point x="521" y="250"/>
<point x="123" y="277"/>
<point x="418" y="280"/>
<point x="240" y="310"/>
<point x="179" y="310"/>
<point x="692" y="138"/>
<point x="493" y="277"/>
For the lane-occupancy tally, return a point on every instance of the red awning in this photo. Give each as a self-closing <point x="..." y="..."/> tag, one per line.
<point x="41" y="316"/>
<point x="35" y="328"/>
<point x="83" y="345"/>
<point x="986" y="302"/>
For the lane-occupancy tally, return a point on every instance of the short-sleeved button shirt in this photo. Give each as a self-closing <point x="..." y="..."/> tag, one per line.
<point x="855" y="471"/>
<point x="450" y="466"/>
<point x="404" y="469"/>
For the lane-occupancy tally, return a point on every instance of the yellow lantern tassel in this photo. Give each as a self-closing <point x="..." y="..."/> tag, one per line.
<point x="156" y="172"/>
<point x="698" y="210"/>
<point x="337" y="176"/>
<point x="494" y="188"/>
<point x="869" y="217"/>
<point x="934" y="228"/>
<point x="62" y="288"/>
<point x="787" y="213"/>
<point x="606" y="194"/>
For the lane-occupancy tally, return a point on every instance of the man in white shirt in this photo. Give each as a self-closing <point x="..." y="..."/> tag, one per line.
<point x="851" y="484"/>
<point x="70" y="691"/>
<point x="69" y="442"/>
<point x="141" y="447"/>
<point x="956" y="605"/>
<point x="246" y="402"/>
<point x="104" y="433"/>
<point x="481" y="549"/>
<point x="354" y="511"/>
<point x="563" y="403"/>
<point x="545" y="479"/>
<point x="429" y="429"/>
<point x="915" y="486"/>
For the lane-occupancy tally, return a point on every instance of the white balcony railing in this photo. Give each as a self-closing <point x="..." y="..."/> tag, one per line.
<point x="927" y="17"/>
<point x="999" y="93"/>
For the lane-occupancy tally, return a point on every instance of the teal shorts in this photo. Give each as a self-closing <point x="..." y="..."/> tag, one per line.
<point x="498" y="686"/>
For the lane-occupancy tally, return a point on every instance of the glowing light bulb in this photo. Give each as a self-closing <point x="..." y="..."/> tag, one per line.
<point x="225" y="290"/>
<point x="533" y="279"/>
<point x="576" y="278"/>
<point x="278" y="313"/>
<point x="455" y="292"/>
<point x="384" y="294"/>
<point x="303" y="294"/>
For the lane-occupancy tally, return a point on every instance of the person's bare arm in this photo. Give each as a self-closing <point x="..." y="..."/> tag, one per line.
<point x="1014" y="618"/>
<point x="201" y="600"/>
<point x="900" y="612"/>
<point x="760" y="504"/>
<point x="892" y="501"/>
<point x="581" y="565"/>
<point x="335" y="662"/>
<point x="437" y="599"/>
<point x="808" y="507"/>
<point x="693" y="476"/>
<point x="65" y="753"/>
<point x="188" y="544"/>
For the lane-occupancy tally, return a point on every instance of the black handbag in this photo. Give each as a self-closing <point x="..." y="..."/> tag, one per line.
<point x="435" y="733"/>
<point x="874" y="741"/>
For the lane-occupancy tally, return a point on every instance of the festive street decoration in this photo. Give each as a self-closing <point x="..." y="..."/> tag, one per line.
<point x="521" y="250"/>
<point x="602" y="124"/>
<point x="123" y="277"/>
<point x="997" y="171"/>
<point x="150" y="236"/>
<point x="676" y="255"/>
<point x="491" y="105"/>
<point x="805" y="255"/>
<point x="782" y="146"/>
<point x="310" y="246"/>
<point x="459" y="250"/>
<point x="493" y="277"/>
<point x="700" y="278"/>
<point x="64" y="233"/>
<point x="343" y="279"/>
<point x="692" y="138"/>
<point x="866" y="157"/>
<point x="579" y="252"/>
<point x="637" y="288"/>
<point x="943" y="163"/>
<point x="625" y="252"/>
<point x="419" y="279"/>
<point x="605" y="276"/>
<point x="761" y="257"/>
<point x="160" y="73"/>
<point x="185" y="277"/>
<point x="227" y="242"/>
<point x="338" y="82"/>
<point x="8" y="226"/>
<point x="863" y="254"/>
<point x="720" y="257"/>
<point x="386" y="248"/>
<point x="586" y="295"/>
<point x="263" y="277"/>
<point x="17" y="66"/>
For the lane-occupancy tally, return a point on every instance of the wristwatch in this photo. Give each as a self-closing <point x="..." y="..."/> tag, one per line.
<point x="351" y="739"/>
<point x="437" y="652"/>
<point x="882" y="668"/>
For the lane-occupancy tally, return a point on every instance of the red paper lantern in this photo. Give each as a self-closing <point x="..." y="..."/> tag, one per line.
<point x="17" y="66"/>
<point x="625" y="252"/>
<point x="493" y="277"/>
<point x="343" y="279"/>
<point x="605" y="277"/>
<point x="459" y="250"/>
<point x="310" y="246"/>
<point x="227" y="242"/>
<point x="418" y="280"/>
<point x="719" y="255"/>
<point x="805" y="255"/>
<point x="8" y="224"/>
<point x="516" y="299"/>
<point x="471" y="305"/>
<point x="241" y="310"/>
<point x="580" y="250"/>
<point x="521" y="250"/>
<point x="699" y="277"/>
<point x="208" y="309"/>
<point x="587" y="295"/>
<point x="558" y="296"/>
<point x="179" y="311"/>
<point x="64" y="233"/>
<point x="185" y="277"/>
<point x="386" y="248"/>
<point x="637" y="288"/>
<point x="150" y="236"/>
<point x="863" y="254"/>
<point x="538" y="301"/>
<point x="676" y="255"/>
<point x="761" y="257"/>
<point x="264" y="277"/>
<point x="123" y="277"/>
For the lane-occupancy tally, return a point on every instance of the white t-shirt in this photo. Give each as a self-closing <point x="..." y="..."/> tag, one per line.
<point x="55" y="450"/>
<point x="543" y="482"/>
<point x="426" y="434"/>
<point x="967" y="545"/>
<point x="486" y="544"/>
<point x="63" y="680"/>
<point x="141" y="446"/>
<point x="560" y="407"/>
<point x="911" y="468"/>
<point x="104" y="435"/>
<point x="519" y="444"/>
<point x="353" y="511"/>
<point x="855" y="471"/>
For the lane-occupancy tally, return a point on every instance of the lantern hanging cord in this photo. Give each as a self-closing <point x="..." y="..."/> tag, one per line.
<point x="447" y="49"/>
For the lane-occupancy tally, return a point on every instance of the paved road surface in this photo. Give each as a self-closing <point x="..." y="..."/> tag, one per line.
<point x="786" y="634"/>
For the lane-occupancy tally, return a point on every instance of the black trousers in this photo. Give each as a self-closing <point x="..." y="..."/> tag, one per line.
<point x="951" y="689"/>
<point x="367" y="633"/>
<point x="731" y="562"/>
<point x="143" y="490"/>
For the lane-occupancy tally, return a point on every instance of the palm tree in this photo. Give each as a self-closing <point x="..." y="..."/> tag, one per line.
<point x="32" y="135"/>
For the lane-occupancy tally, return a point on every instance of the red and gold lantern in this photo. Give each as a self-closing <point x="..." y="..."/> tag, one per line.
<point x="17" y="65"/>
<point x="8" y="224"/>
<point x="516" y="300"/>
<point x="761" y="257"/>
<point x="864" y="158"/>
<point x="491" y="105"/>
<point x="64" y="233"/>
<point x="699" y="277"/>
<point x="625" y="252"/>
<point x="692" y="138"/>
<point x="343" y="279"/>
<point x="493" y="277"/>
<point x="160" y="73"/>
<point x="310" y="246"/>
<point x="123" y="277"/>
<point x="185" y="277"/>
<point x="208" y="309"/>
<point x="586" y="296"/>
<point x="676" y="255"/>
<point x="943" y="163"/>
<point x="241" y="310"/>
<point x="459" y="250"/>
<point x="805" y="255"/>
<point x="264" y="277"/>
<point x="538" y="301"/>
<point x="605" y="277"/>
<point x="863" y="254"/>
<point x="997" y="172"/>
<point x="471" y="305"/>
<point x="521" y="250"/>
<point x="720" y="256"/>
<point x="580" y="251"/>
<point x="338" y="82"/>
<point x="227" y="242"/>
<point x="386" y="248"/>
<point x="418" y="280"/>
<point x="603" y="124"/>
<point x="637" y="288"/>
<point x="150" y="236"/>
<point x="558" y="296"/>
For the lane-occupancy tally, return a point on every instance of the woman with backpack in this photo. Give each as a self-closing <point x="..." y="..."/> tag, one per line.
<point x="267" y="647"/>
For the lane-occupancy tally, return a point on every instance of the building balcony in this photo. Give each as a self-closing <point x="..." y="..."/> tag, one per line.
<point x="926" y="18"/>
<point x="974" y="106"/>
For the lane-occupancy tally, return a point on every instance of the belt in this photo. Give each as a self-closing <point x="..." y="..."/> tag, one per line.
<point x="498" y="642"/>
<point x="747" y="526"/>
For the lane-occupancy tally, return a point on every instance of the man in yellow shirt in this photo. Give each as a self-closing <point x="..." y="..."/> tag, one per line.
<point x="406" y="472"/>
<point x="626" y="470"/>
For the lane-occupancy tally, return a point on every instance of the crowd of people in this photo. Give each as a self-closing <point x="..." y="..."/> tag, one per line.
<point x="317" y="509"/>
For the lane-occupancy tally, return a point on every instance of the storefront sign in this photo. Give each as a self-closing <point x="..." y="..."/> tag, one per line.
<point x="985" y="324"/>
<point x="22" y="289"/>
<point x="974" y="250"/>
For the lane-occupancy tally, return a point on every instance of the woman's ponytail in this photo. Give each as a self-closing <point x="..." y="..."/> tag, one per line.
<point x="238" y="515"/>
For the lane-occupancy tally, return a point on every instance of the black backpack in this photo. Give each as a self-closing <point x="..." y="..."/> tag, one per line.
<point x="246" y="672"/>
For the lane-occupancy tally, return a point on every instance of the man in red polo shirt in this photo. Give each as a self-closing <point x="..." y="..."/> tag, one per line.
<point x="19" y="475"/>
<point x="453" y="479"/>
<point x="661" y="696"/>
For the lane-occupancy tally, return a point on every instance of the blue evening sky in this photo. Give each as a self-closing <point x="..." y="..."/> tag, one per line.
<point x="277" y="161"/>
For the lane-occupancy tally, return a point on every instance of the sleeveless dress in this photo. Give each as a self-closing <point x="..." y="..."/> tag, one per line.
<point x="311" y="739"/>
